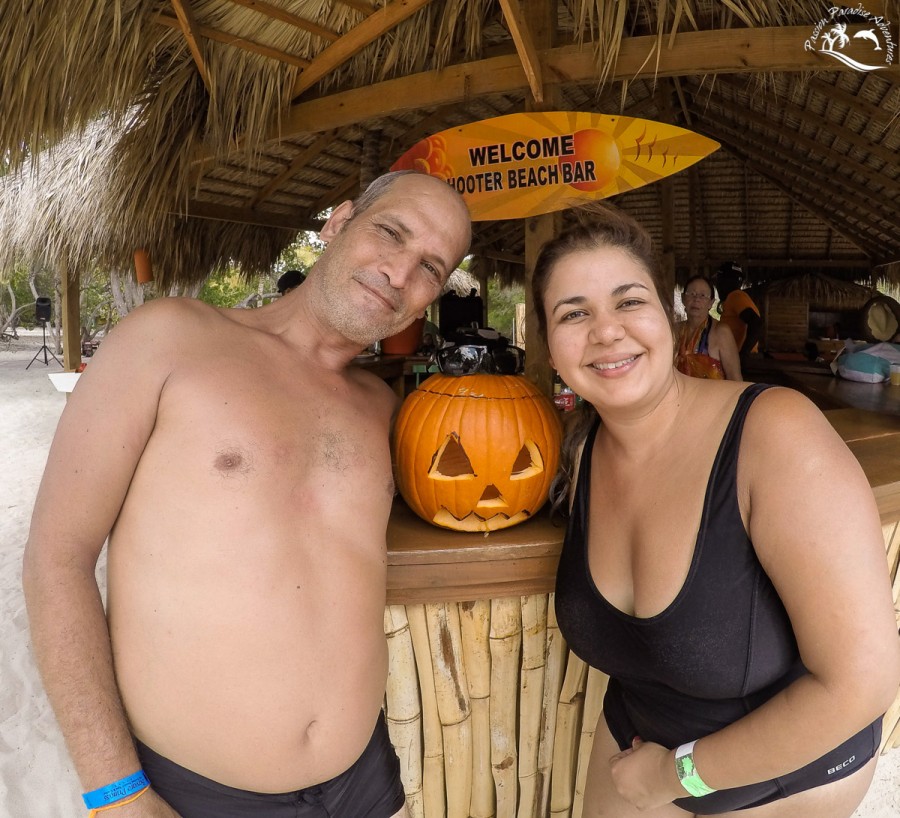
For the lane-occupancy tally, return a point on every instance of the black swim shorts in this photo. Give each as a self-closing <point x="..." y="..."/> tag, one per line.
<point x="371" y="788"/>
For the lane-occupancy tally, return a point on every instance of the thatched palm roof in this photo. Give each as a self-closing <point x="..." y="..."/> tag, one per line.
<point x="265" y="113"/>
<point x="69" y="213"/>
<point x="821" y="291"/>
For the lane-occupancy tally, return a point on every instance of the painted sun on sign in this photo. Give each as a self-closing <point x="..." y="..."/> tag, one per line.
<point x="527" y="164"/>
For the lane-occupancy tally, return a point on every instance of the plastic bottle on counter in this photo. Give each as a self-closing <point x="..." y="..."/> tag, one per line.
<point x="563" y="396"/>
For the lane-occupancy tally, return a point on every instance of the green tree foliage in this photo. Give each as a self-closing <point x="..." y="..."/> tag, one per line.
<point x="227" y="288"/>
<point x="16" y="293"/>
<point x="230" y="288"/>
<point x="98" y="313"/>
<point x="502" y="305"/>
<point x="300" y="255"/>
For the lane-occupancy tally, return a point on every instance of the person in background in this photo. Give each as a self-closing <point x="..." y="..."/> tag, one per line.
<point x="243" y="478"/>
<point x="704" y="348"/>
<point x="737" y="309"/>
<point x="735" y="592"/>
<point x="289" y="281"/>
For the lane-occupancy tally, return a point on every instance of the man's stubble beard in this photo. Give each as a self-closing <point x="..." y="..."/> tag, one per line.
<point x="351" y="322"/>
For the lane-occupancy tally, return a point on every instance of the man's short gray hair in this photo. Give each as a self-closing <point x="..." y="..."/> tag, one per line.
<point x="380" y="186"/>
<point x="377" y="189"/>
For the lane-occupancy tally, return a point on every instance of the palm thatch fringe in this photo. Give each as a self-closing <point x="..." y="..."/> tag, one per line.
<point x="102" y="58"/>
<point x="84" y="203"/>
<point x="822" y="291"/>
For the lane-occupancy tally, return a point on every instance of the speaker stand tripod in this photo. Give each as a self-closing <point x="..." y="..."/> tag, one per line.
<point x="45" y="349"/>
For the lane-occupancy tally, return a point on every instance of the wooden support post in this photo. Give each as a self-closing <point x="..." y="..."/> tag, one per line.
<point x="695" y="210"/>
<point x="538" y="231"/>
<point x="667" y="201"/>
<point x="479" y="269"/>
<point x="71" y="318"/>
<point x="541" y="18"/>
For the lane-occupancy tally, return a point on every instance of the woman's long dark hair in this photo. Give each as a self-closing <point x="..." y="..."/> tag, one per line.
<point x="596" y="225"/>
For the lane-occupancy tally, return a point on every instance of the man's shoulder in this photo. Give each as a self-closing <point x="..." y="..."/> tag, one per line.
<point x="153" y="333"/>
<point x="375" y="393"/>
<point x="174" y="309"/>
<point x="167" y="317"/>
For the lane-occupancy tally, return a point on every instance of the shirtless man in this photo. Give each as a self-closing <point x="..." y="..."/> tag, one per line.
<point x="240" y="467"/>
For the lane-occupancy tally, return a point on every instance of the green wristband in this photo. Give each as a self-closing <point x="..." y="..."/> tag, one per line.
<point x="687" y="772"/>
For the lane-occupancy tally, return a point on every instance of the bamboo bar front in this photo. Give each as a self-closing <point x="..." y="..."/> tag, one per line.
<point x="490" y="713"/>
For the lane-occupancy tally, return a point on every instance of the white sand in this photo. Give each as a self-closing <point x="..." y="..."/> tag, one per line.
<point x="36" y="776"/>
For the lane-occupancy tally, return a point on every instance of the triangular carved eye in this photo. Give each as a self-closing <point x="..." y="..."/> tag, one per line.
<point x="451" y="461"/>
<point x="528" y="463"/>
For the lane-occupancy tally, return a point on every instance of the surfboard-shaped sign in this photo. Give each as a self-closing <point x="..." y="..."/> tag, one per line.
<point x="522" y="165"/>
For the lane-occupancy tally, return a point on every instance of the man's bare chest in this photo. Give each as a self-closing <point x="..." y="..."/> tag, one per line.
<point x="254" y="431"/>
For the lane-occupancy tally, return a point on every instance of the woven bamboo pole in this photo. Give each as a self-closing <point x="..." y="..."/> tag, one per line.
<point x="403" y="706"/>
<point x="553" y="679"/>
<point x="890" y="728"/>
<point x="475" y="625"/>
<point x="891" y="532"/>
<point x="597" y="683"/>
<point x="568" y="719"/>
<point x="452" y="703"/>
<point x="531" y="697"/>
<point x="433" y="798"/>
<point x="505" y="641"/>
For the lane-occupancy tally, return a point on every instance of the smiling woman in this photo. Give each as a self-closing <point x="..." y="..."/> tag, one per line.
<point x="704" y="531"/>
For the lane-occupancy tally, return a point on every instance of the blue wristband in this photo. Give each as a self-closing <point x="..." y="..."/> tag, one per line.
<point x="117" y="791"/>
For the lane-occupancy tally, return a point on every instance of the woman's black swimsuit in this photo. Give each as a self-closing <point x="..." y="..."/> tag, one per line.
<point x="721" y="649"/>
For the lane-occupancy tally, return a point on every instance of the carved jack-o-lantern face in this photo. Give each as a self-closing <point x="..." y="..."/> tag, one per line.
<point x="476" y="453"/>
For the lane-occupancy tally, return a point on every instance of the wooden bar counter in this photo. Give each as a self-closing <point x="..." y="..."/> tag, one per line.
<point x="431" y="564"/>
<point x="490" y="713"/>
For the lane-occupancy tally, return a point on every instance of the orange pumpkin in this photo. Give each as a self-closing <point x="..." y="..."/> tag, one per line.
<point x="476" y="452"/>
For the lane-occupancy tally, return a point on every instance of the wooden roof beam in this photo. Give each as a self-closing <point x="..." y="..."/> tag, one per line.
<point x="825" y="263"/>
<point x="355" y="41"/>
<point x="276" y="13"/>
<point x="236" y="42"/>
<point x="191" y="33"/>
<point x="863" y="243"/>
<point x="509" y="258"/>
<point x="745" y="114"/>
<point x="693" y="53"/>
<point x="521" y="34"/>
<point x="348" y="190"/>
<point x="301" y="160"/>
<point x="756" y="157"/>
<point x="796" y="165"/>
<point x="849" y="136"/>
<point x="222" y="213"/>
<point x="854" y="102"/>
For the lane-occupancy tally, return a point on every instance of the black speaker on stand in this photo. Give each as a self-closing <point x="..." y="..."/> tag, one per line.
<point x="42" y="314"/>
